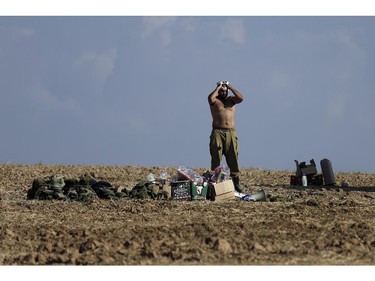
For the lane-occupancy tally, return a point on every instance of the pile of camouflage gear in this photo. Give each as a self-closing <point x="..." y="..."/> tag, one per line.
<point x="87" y="188"/>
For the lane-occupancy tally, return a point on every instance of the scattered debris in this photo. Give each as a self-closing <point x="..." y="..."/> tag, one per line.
<point x="186" y="184"/>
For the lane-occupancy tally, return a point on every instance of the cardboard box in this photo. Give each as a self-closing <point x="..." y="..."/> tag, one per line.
<point x="198" y="192"/>
<point x="181" y="190"/>
<point x="222" y="191"/>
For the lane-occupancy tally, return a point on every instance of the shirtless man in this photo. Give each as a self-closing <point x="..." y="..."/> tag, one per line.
<point x="223" y="138"/>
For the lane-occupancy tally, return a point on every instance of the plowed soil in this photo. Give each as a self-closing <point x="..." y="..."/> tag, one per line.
<point x="296" y="226"/>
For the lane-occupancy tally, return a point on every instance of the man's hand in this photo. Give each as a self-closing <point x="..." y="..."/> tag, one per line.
<point x="222" y="83"/>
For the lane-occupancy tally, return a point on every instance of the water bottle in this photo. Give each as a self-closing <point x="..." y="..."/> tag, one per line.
<point x="163" y="177"/>
<point x="304" y="180"/>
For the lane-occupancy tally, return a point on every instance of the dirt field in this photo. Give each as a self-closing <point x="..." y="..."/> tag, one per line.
<point x="295" y="226"/>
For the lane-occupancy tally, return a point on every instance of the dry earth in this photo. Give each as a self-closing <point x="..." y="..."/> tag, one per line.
<point x="295" y="226"/>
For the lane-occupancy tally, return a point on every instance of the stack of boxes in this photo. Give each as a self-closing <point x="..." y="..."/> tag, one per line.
<point x="188" y="190"/>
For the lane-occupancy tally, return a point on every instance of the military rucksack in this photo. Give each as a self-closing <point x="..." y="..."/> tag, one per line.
<point x="47" y="188"/>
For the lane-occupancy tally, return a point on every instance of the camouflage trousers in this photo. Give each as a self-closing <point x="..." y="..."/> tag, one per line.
<point x="224" y="142"/>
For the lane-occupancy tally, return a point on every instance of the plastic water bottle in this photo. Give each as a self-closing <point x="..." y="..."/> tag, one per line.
<point x="304" y="180"/>
<point x="163" y="177"/>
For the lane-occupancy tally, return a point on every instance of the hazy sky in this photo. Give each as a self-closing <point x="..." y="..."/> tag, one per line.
<point x="132" y="90"/>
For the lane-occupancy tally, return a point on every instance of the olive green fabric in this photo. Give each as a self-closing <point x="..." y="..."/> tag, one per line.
<point x="48" y="188"/>
<point x="56" y="187"/>
<point x="224" y="142"/>
<point x="148" y="190"/>
<point x="87" y="188"/>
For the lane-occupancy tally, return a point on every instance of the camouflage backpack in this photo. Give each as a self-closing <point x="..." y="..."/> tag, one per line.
<point x="79" y="190"/>
<point x="47" y="188"/>
<point x="148" y="190"/>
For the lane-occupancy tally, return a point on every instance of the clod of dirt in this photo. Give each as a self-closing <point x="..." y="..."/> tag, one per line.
<point x="223" y="246"/>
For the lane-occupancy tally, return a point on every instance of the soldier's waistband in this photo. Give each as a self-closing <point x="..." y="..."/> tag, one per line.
<point x="224" y="129"/>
